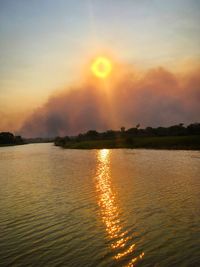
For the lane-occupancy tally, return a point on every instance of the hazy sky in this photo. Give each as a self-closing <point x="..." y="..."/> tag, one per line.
<point x="44" y="44"/>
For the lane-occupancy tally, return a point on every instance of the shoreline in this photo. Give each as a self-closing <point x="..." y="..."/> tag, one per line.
<point x="157" y="143"/>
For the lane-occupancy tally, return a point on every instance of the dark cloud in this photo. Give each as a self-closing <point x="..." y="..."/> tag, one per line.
<point x="156" y="97"/>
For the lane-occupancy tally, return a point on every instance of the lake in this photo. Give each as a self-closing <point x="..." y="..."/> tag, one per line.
<point x="99" y="207"/>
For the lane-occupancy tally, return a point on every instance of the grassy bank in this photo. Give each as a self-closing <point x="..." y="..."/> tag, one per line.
<point x="155" y="142"/>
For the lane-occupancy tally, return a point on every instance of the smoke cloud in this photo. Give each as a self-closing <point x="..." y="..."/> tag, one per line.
<point x="156" y="97"/>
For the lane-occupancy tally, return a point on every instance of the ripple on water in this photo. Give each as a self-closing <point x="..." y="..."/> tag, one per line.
<point x="98" y="208"/>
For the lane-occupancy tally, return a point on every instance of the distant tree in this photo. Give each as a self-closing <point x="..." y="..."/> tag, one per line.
<point x="194" y="128"/>
<point x="80" y="137"/>
<point x="122" y="133"/>
<point x="18" y="140"/>
<point x="123" y="129"/>
<point x="177" y="129"/>
<point x="7" y="138"/>
<point x="149" y="131"/>
<point x="58" y="141"/>
<point x="161" y="131"/>
<point x="92" y="134"/>
<point x="137" y="126"/>
<point x="110" y="134"/>
<point x="132" y="131"/>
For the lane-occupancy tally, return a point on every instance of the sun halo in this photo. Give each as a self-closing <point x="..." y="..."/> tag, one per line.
<point x="101" y="67"/>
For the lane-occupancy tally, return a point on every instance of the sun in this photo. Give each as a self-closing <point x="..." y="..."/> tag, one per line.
<point x="101" y="67"/>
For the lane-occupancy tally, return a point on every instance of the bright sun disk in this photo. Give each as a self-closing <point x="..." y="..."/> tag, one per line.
<point x="101" y="67"/>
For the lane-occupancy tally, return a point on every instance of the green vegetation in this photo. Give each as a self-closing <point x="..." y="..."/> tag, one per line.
<point x="174" y="137"/>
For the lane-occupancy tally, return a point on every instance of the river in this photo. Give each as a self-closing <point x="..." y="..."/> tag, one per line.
<point x="100" y="208"/>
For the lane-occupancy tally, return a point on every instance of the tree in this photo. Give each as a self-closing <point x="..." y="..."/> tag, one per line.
<point x="92" y="134"/>
<point x="193" y="128"/>
<point x="7" y="138"/>
<point x="123" y="129"/>
<point x="137" y="126"/>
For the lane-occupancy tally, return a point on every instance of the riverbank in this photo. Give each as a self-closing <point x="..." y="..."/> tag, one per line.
<point x="9" y="139"/>
<point x="156" y="142"/>
<point x="3" y="145"/>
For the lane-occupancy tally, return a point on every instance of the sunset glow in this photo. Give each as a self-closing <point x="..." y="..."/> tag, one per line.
<point x="101" y="67"/>
<point x="66" y="70"/>
<point x="97" y="100"/>
<point x="109" y="210"/>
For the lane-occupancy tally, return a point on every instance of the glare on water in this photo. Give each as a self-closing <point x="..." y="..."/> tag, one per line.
<point x="109" y="210"/>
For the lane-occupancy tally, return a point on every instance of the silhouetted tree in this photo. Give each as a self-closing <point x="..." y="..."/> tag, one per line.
<point x="149" y="131"/>
<point x="137" y="126"/>
<point x="92" y="135"/>
<point x="7" y="138"/>
<point x="194" y="128"/>
<point x="110" y="134"/>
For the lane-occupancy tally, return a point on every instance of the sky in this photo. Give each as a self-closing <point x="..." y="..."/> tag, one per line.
<point x="46" y="45"/>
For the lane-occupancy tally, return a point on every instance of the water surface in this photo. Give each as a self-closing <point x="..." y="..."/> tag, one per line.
<point x="99" y="207"/>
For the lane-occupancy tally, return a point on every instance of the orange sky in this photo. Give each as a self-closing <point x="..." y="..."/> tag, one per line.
<point x="48" y="47"/>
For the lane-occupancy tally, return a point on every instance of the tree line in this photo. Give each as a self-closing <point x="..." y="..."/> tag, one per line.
<point x="7" y="138"/>
<point x="174" y="130"/>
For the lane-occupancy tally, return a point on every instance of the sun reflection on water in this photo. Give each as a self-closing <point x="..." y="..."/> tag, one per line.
<point x="110" y="212"/>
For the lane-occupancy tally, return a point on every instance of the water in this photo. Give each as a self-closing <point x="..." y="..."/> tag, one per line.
<point x="99" y="207"/>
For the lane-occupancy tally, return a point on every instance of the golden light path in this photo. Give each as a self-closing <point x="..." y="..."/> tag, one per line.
<point x="101" y="67"/>
<point x="109" y="211"/>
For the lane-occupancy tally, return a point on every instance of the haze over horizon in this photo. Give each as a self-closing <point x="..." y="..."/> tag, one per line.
<point x="46" y="88"/>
